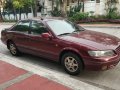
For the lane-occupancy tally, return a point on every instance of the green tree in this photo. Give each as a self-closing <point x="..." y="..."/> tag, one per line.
<point x="24" y="5"/>
<point x="16" y="7"/>
<point x="9" y="9"/>
<point x="18" y="4"/>
<point x="2" y="4"/>
<point x="28" y="4"/>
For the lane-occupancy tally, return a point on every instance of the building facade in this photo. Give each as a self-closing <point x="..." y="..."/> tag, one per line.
<point x="98" y="6"/>
<point x="95" y="6"/>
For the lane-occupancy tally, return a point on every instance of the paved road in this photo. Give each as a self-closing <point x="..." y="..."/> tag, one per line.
<point x="112" y="31"/>
<point x="108" y="80"/>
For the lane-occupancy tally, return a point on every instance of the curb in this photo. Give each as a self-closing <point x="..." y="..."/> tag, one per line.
<point x="101" y="25"/>
<point x="117" y="27"/>
<point x="7" y="23"/>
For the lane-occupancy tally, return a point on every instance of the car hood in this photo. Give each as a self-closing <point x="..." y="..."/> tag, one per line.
<point x="93" y="39"/>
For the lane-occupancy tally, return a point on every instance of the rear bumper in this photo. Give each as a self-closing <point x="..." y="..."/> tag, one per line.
<point x="3" y="41"/>
<point x="98" y="64"/>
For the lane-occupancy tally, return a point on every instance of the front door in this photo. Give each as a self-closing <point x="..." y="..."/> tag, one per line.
<point x="40" y="45"/>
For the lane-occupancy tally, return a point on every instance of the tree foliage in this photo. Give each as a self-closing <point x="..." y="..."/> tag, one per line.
<point x="2" y="4"/>
<point x="18" y="3"/>
<point x="111" y="8"/>
<point x="16" y="7"/>
<point x="63" y="5"/>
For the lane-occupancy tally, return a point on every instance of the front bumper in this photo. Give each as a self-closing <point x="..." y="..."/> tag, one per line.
<point x="98" y="64"/>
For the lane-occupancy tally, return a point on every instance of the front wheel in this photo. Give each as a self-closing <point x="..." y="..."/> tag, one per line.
<point x="13" y="49"/>
<point x="72" y="63"/>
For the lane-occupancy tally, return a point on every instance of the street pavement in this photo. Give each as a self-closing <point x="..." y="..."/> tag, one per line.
<point x="112" y="29"/>
<point x="87" y="80"/>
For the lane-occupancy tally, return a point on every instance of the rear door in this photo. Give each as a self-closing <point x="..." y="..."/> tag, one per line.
<point x="20" y="35"/>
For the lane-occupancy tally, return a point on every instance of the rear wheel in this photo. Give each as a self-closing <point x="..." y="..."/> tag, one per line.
<point x="13" y="49"/>
<point x="72" y="63"/>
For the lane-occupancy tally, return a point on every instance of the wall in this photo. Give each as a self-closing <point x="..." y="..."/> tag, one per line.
<point x="97" y="8"/>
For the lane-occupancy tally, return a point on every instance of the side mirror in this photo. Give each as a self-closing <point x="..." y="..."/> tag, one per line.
<point x="46" y="36"/>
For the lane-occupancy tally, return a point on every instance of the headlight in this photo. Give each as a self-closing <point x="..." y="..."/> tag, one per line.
<point x="101" y="53"/>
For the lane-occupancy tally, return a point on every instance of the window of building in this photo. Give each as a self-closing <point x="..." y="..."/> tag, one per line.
<point x="97" y="1"/>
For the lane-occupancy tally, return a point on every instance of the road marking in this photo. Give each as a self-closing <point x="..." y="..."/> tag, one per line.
<point x="58" y="77"/>
<point x="16" y="80"/>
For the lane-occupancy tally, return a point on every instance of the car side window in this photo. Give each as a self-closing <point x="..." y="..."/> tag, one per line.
<point x="38" y="28"/>
<point x="22" y="26"/>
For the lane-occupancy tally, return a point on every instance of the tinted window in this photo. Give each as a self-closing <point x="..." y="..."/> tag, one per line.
<point x="22" y="26"/>
<point x="38" y="28"/>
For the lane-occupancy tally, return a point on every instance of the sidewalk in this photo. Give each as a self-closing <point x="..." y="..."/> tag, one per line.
<point x="17" y="74"/>
<point x="13" y="78"/>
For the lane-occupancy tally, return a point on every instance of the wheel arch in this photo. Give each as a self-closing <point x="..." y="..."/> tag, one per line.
<point x="8" y="41"/>
<point x="72" y="51"/>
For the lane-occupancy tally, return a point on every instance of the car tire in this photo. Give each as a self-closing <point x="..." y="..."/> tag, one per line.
<point x="13" y="49"/>
<point x="72" y="63"/>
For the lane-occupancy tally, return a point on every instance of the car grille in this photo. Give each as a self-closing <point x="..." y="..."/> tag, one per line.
<point x="118" y="50"/>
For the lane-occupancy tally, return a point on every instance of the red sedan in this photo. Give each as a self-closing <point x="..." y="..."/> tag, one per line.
<point x="63" y="41"/>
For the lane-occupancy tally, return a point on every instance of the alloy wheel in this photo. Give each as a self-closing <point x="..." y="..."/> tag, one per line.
<point x="71" y="64"/>
<point x="13" y="49"/>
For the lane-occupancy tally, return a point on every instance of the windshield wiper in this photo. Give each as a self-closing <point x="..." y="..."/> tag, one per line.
<point x="64" y="34"/>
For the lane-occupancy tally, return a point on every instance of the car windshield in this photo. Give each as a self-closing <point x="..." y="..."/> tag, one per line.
<point x="63" y="27"/>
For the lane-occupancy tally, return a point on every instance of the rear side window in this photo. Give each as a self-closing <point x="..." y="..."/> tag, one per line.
<point x="22" y="26"/>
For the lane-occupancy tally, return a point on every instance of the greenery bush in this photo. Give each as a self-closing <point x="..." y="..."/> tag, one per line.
<point x="111" y="9"/>
<point x="98" y="16"/>
<point x="113" y="15"/>
<point x="79" y="16"/>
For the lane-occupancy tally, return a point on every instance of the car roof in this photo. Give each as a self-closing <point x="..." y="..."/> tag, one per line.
<point x="45" y="18"/>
